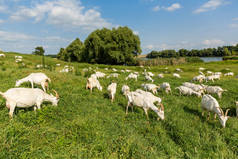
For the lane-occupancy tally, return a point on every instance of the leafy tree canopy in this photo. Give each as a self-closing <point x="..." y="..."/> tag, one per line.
<point x="39" y="50"/>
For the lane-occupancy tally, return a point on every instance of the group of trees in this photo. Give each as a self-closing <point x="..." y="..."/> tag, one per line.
<point x="104" y="46"/>
<point x="209" y="52"/>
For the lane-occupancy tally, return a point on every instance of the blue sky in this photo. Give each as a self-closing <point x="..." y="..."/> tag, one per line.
<point x="161" y="24"/>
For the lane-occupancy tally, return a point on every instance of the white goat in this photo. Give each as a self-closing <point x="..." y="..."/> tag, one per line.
<point x="152" y="97"/>
<point x="176" y="75"/>
<point x="37" y="78"/>
<point x="195" y="87"/>
<point x="210" y="104"/>
<point x="148" y="78"/>
<point x="161" y="75"/>
<point x="165" y="86"/>
<point x="199" y="78"/>
<point x="18" y="60"/>
<point x="115" y="70"/>
<point x="2" y="55"/>
<point x="150" y="87"/>
<point x="188" y="91"/>
<point x="201" y="69"/>
<point x="112" y="88"/>
<point x="145" y="102"/>
<point x="93" y="82"/>
<point x="27" y="97"/>
<point x="100" y="74"/>
<point x="115" y="75"/>
<point x="229" y="74"/>
<point x="18" y="57"/>
<point x="132" y="76"/>
<point x="125" y="89"/>
<point x="178" y="70"/>
<point x="214" y="90"/>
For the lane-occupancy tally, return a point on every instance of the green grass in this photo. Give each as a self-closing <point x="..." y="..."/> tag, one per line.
<point x="88" y="125"/>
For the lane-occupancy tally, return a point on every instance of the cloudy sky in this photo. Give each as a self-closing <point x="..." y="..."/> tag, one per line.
<point x="161" y="24"/>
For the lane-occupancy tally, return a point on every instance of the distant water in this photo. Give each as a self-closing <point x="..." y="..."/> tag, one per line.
<point x="211" y="59"/>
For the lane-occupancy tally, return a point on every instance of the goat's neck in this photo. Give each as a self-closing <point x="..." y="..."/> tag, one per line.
<point x="218" y="112"/>
<point x="26" y="79"/>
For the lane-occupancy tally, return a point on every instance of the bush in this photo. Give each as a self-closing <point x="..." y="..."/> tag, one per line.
<point x="230" y="58"/>
<point x="193" y="60"/>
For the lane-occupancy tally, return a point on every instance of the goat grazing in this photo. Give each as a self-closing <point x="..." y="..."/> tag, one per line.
<point x="93" y="82"/>
<point x="37" y="78"/>
<point x="143" y="101"/>
<point x="112" y="88"/>
<point x="27" y="97"/>
<point x="210" y="104"/>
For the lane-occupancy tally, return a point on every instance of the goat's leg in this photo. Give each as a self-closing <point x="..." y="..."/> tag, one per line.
<point x="215" y="115"/>
<point x="32" y="84"/>
<point x="38" y="104"/>
<point x="43" y="86"/>
<point x="128" y="104"/>
<point x="146" y="113"/>
<point x="12" y="108"/>
<point x="208" y="118"/>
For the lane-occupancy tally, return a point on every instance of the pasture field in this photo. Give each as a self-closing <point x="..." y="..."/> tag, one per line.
<point x="86" y="125"/>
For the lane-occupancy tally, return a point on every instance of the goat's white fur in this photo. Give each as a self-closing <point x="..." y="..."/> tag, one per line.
<point x="112" y="88"/>
<point x="27" y="97"/>
<point x="37" y="78"/>
<point x="210" y="104"/>
<point x="93" y="82"/>
<point x="145" y="102"/>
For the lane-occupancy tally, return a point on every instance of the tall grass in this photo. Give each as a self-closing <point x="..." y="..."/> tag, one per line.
<point x="88" y="125"/>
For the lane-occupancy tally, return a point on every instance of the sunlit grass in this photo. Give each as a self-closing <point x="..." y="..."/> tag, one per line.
<point x="86" y="125"/>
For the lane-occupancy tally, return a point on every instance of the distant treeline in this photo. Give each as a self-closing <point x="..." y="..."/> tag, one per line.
<point x="209" y="52"/>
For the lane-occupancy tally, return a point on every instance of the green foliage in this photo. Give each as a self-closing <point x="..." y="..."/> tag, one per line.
<point x="116" y="46"/>
<point x="73" y="52"/>
<point x="39" y="50"/>
<point x="209" y="52"/>
<point x="194" y="60"/>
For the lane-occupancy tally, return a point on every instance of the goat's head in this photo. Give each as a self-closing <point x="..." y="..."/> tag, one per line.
<point x="160" y="112"/>
<point x="55" y="99"/>
<point x="223" y="117"/>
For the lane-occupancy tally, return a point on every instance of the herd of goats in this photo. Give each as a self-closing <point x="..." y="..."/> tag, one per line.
<point x="146" y="99"/>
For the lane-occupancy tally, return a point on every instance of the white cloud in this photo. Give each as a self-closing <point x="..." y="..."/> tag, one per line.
<point x="1" y="21"/>
<point x="213" y="42"/>
<point x="173" y="7"/>
<point x="66" y="13"/>
<point x="3" y="8"/>
<point x="26" y="43"/>
<point x="12" y="36"/>
<point x="234" y="25"/>
<point x="210" y="5"/>
<point x="235" y="19"/>
<point x="156" y="8"/>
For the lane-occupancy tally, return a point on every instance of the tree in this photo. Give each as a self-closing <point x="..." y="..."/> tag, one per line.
<point x="39" y="50"/>
<point x="73" y="52"/>
<point x="117" y="46"/>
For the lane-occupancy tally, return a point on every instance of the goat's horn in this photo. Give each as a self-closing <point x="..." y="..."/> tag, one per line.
<point x="56" y="94"/>
<point x="162" y="106"/>
<point x="222" y="113"/>
<point x="227" y="112"/>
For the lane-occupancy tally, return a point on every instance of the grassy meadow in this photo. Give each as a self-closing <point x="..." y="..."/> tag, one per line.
<point x="86" y="125"/>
